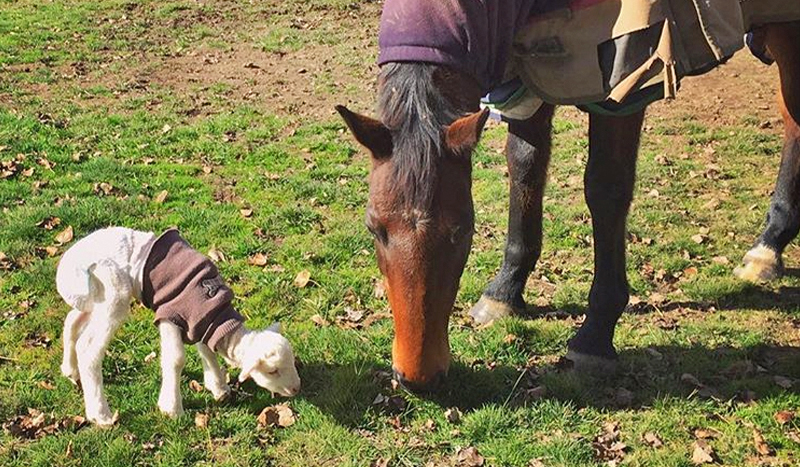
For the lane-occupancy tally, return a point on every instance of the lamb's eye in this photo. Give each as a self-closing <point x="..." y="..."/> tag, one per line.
<point x="273" y="373"/>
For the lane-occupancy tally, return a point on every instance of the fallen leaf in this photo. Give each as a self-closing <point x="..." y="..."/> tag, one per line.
<point x="258" y="259"/>
<point x="782" y="381"/>
<point x="34" y="425"/>
<point x="452" y="415"/>
<point x="65" y="236"/>
<point x="302" y="279"/>
<point x="702" y="453"/>
<point x="689" y="378"/>
<point x="699" y="238"/>
<point x="379" y="290"/>
<point x="49" y="223"/>
<point x="166" y="128"/>
<point x="207" y="169"/>
<point x="51" y="250"/>
<point x="161" y="196"/>
<point x="246" y="213"/>
<point x="469" y="457"/>
<point x="536" y="463"/>
<point x="720" y="260"/>
<point x="653" y="439"/>
<point x="150" y="357"/>
<point x="783" y="417"/>
<point x="703" y="433"/>
<point x="195" y="386"/>
<point x="319" y="320"/>
<point x="46" y="385"/>
<point x="216" y="255"/>
<point x="762" y="448"/>
<point x="606" y="445"/>
<point x="280" y="415"/>
<point x="382" y="462"/>
<point x="201" y="420"/>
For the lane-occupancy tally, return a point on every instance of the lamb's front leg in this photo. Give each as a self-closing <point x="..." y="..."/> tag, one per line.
<point x="173" y="359"/>
<point x="214" y="378"/>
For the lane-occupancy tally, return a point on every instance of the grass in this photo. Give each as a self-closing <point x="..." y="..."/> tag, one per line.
<point x="93" y="92"/>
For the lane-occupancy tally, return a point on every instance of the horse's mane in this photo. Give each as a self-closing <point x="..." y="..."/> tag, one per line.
<point x="416" y="112"/>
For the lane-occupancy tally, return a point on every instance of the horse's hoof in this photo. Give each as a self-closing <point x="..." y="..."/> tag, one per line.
<point x="592" y="365"/>
<point x="761" y="264"/>
<point x="488" y="310"/>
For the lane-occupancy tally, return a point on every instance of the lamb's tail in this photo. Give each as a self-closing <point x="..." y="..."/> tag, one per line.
<point x="74" y="284"/>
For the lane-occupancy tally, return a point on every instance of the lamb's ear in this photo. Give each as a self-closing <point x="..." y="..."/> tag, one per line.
<point x="371" y="133"/>
<point x="275" y="327"/>
<point x="248" y="366"/>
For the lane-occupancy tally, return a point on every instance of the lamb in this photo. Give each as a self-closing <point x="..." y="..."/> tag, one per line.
<point x="100" y="274"/>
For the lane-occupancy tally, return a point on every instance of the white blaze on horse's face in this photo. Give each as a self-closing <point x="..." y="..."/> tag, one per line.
<point x="421" y="247"/>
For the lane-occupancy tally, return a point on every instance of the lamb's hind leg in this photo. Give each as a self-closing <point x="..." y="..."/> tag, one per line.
<point x="763" y="262"/>
<point x="173" y="358"/>
<point x="214" y="378"/>
<point x="528" y="154"/>
<point x="74" y="324"/>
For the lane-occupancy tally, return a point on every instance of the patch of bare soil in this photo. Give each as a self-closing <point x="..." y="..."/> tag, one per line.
<point x="741" y="88"/>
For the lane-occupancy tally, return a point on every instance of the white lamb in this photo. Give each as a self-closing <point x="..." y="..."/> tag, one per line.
<point x="101" y="273"/>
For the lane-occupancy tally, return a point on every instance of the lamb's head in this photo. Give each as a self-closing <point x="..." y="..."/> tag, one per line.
<point x="269" y="361"/>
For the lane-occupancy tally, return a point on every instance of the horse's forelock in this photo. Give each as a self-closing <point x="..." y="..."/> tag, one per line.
<point x="416" y="112"/>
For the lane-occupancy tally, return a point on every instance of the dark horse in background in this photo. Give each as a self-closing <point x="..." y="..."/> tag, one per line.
<point x="420" y="208"/>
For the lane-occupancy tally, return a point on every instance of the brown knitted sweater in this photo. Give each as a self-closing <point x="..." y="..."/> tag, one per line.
<point x="183" y="286"/>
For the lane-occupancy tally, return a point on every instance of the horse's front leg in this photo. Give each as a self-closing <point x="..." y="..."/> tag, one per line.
<point x="763" y="262"/>
<point x="528" y="154"/>
<point x="608" y="187"/>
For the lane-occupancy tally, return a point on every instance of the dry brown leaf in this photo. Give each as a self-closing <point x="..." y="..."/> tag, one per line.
<point x="201" y="420"/>
<point x="51" y="250"/>
<point x="469" y="457"/>
<point x="689" y="378"/>
<point x="705" y="433"/>
<point x="246" y="213"/>
<point x="320" y="321"/>
<point x="782" y="381"/>
<point x="207" y="169"/>
<point x="607" y="446"/>
<point x="258" y="259"/>
<point x="762" y="448"/>
<point x="699" y="238"/>
<point x="34" y="425"/>
<point x="195" y="386"/>
<point x="784" y="416"/>
<point x="150" y="357"/>
<point x="379" y="290"/>
<point x="166" y="128"/>
<point x="536" y="463"/>
<point x="46" y="385"/>
<point x="65" y="236"/>
<point x="302" y="279"/>
<point x="382" y="462"/>
<point x="161" y="196"/>
<point x="280" y="415"/>
<point x="216" y="255"/>
<point x="702" y="453"/>
<point x="452" y="415"/>
<point x="653" y="439"/>
<point x="49" y="223"/>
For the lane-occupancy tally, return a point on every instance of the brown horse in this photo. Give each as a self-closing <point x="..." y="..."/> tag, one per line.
<point x="421" y="213"/>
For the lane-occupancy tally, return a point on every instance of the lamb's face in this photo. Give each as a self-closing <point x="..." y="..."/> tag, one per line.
<point x="271" y="364"/>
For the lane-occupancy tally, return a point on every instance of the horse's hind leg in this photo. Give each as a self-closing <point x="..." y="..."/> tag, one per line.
<point x="608" y="187"/>
<point x="763" y="262"/>
<point x="528" y="154"/>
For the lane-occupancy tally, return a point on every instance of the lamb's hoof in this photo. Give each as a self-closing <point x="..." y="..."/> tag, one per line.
<point x="761" y="264"/>
<point x="104" y="420"/>
<point x="592" y="365"/>
<point x="222" y="394"/>
<point x="488" y="309"/>
<point x="72" y="375"/>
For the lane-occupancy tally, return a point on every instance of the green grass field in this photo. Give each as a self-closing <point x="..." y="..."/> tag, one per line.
<point x="217" y="117"/>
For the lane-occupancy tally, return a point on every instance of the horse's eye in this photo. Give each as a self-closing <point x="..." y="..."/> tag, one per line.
<point x="377" y="231"/>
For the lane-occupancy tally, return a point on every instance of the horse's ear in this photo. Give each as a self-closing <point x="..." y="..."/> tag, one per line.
<point x="463" y="135"/>
<point x="371" y="133"/>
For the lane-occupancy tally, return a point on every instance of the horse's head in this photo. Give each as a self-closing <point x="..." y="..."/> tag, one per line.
<point x="421" y="215"/>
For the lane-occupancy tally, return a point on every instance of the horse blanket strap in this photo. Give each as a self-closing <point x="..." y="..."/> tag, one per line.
<point x="615" y="55"/>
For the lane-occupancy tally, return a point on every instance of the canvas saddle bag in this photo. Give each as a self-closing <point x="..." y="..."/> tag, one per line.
<point x="611" y="51"/>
